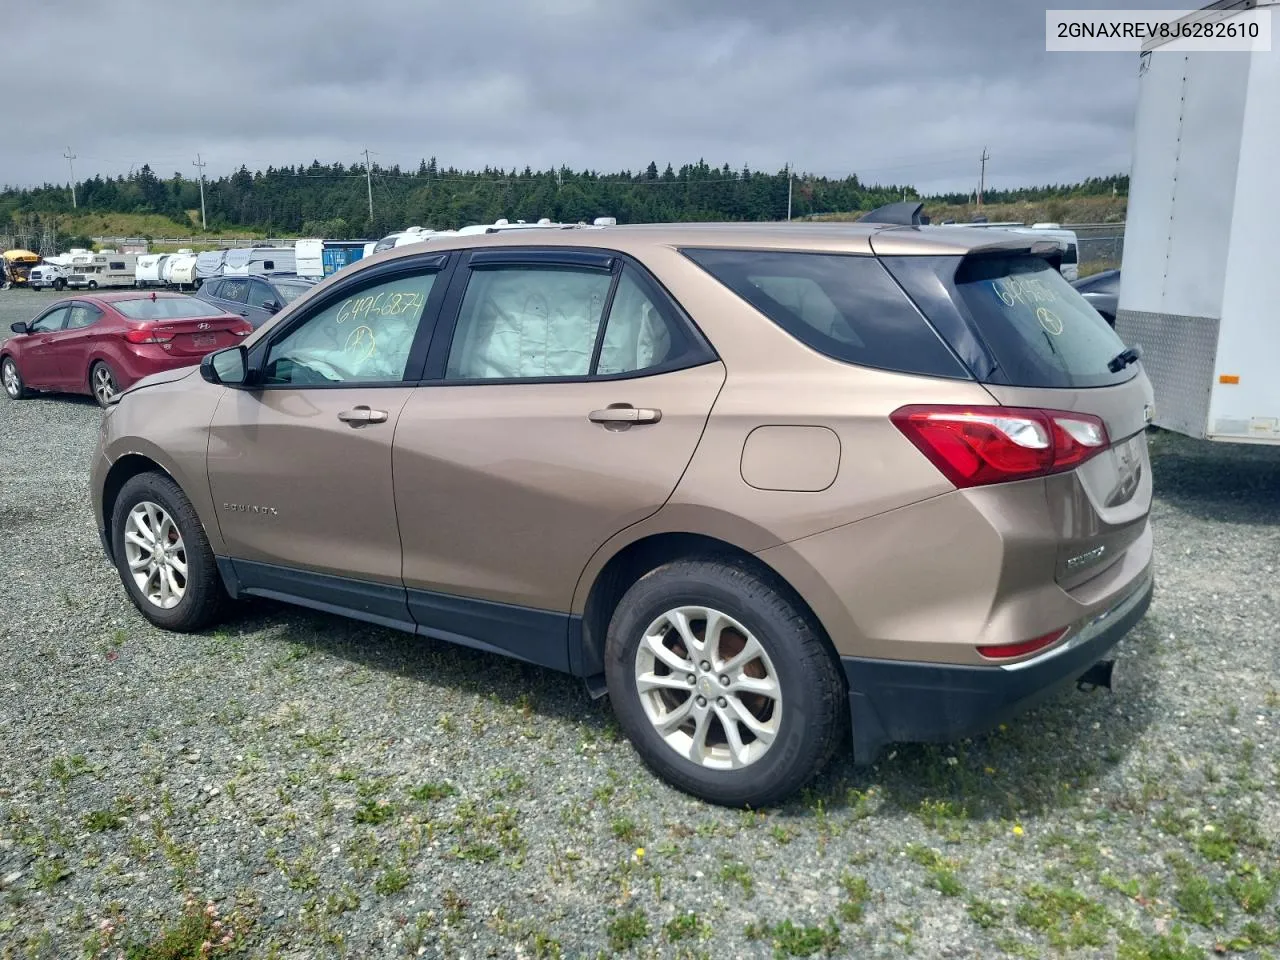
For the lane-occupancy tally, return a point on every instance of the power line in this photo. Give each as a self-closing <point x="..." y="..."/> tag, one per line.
<point x="982" y="174"/>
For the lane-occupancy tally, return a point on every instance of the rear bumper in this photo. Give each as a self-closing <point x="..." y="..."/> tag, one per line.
<point x="902" y="701"/>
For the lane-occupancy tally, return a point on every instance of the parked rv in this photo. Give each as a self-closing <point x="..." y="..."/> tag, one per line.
<point x="110" y="268"/>
<point x="318" y="259"/>
<point x="180" y="270"/>
<point x="247" y="261"/>
<point x="209" y="264"/>
<point x="150" y="270"/>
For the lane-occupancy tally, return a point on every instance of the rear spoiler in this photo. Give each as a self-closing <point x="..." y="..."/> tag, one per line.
<point x="905" y="213"/>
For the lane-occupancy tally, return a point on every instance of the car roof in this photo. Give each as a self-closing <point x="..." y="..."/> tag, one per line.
<point x="807" y="236"/>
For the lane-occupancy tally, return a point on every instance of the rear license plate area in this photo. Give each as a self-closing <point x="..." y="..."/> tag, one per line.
<point x="204" y="340"/>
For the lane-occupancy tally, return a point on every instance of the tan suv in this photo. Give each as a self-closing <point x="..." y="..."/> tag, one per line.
<point x="764" y="484"/>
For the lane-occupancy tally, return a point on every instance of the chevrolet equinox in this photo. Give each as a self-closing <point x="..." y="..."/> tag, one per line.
<point x="763" y="484"/>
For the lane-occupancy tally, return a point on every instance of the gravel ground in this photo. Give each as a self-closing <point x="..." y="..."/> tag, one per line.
<point x="332" y="789"/>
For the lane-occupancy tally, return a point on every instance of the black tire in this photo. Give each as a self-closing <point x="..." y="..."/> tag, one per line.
<point x="20" y="392"/>
<point x="93" y="284"/>
<point x="100" y="369"/>
<point x="205" y="600"/>
<point x="813" y="721"/>
<point x="59" y="285"/>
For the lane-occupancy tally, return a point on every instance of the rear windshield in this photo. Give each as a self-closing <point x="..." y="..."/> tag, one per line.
<point x="164" y="308"/>
<point x="1014" y="320"/>
<point x="291" y="291"/>
<point x="846" y="307"/>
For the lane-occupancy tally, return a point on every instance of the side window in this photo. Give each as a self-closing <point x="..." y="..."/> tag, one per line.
<point x="233" y="290"/>
<point x="362" y="338"/>
<point x="83" y="315"/>
<point x="259" y="294"/>
<point x="52" y="321"/>
<point x="637" y="335"/>
<point x="522" y="321"/>
<point x="117" y="264"/>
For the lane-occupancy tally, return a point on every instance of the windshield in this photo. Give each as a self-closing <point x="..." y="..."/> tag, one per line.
<point x="165" y="308"/>
<point x="1014" y="320"/>
<point x="291" y="291"/>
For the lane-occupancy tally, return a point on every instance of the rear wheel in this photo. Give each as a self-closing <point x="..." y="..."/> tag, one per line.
<point x="163" y="555"/>
<point x="59" y="285"/>
<point x="93" y="284"/>
<point x="13" y="385"/>
<point x="725" y="688"/>
<point x="103" y="383"/>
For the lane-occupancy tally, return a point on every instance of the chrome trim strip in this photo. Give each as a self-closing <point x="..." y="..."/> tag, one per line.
<point x="1092" y="628"/>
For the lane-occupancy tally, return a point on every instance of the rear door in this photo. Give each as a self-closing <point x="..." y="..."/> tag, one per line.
<point x="75" y="343"/>
<point x="231" y="295"/>
<point x="1033" y="341"/>
<point x="257" y="299"/>
<point x="564" y="397"/>
<point x="40" y="366"/>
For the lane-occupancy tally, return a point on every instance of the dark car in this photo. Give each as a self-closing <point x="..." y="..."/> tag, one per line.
<point x="1102" y="290"/>
<point x="255" y="298"/>
<point x="102" y="344"/>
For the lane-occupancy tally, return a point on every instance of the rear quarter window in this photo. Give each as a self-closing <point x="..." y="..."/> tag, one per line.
<point x="846" y="307"/>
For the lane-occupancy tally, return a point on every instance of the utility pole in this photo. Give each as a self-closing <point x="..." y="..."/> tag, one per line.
<point x="368" y="180"/>
<point x="71" y="157"/>
<point x="204" y="224"/>
<point x="790" y="173"/>
<point x="982" y="175"/>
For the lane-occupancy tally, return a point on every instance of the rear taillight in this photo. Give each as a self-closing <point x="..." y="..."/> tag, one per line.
<point x="146" y="333"/>
<point x="1006" y="650"/>
<point x="973" y="446"/>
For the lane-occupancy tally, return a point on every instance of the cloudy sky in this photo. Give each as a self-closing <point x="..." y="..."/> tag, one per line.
<point x="898" y="92"/>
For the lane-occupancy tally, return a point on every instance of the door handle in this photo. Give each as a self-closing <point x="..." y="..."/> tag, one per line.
<point x="625" y="414"/>
<point x="46" y="340"/>
<point x="361" y="415"/>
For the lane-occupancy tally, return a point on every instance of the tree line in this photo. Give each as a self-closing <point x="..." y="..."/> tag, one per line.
<point x="332" y="200"/>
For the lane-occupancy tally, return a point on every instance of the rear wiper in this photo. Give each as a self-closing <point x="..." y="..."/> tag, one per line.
<point x="1124" y="358"/>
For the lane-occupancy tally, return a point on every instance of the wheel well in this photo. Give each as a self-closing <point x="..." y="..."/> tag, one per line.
<point x="636" y="559"/>
<point x="121" y="472"/>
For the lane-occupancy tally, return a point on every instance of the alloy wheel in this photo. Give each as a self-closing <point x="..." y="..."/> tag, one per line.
<point x="708" y="687"/>
<point x="12" y="382"/>
<point x="104" y="384"/>
<point x="156" y="555"/>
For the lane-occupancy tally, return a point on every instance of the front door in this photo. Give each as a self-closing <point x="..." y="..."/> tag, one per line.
<point x="300" y="466"/>
<point x="257" y="300"/>
<point x="40" y="366"/>
<point x="565" y="407"/>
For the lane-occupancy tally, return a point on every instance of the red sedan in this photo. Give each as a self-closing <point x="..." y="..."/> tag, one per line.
<point x="102" y="344"/>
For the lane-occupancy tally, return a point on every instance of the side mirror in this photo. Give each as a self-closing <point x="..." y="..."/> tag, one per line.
<point x="19" y="326"/>
<point x="228" y="367"/>
<point x="270" y="306"/>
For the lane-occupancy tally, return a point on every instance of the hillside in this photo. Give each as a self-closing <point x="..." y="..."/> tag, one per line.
<point x="1103" y="209"/>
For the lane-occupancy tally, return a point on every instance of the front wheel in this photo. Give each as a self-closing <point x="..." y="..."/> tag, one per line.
<point x="724" y="686"/>
<point x="59" y="285"/>
<point x="93" y="284"/>
<point x="13" y="385"/>
<point x="103" y="383"/>
<point x="163" y="555"/>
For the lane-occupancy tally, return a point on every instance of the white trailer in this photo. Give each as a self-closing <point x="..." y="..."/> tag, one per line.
<point x="246" y="261"/>
<point x="309" y="258"/>
<point x="149" y="271"/>
<point x="180" y="271"/>
<point x="1199" y="285"/>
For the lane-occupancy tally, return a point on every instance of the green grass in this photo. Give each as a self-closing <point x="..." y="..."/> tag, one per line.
<point x="795" y="940"/>
<point x="1064" y="915"/>
<point x="1252" y="891"/>
<point x="686" y="926"/>
<point x="428" y="792"/>
<point x="740" y="874"/>
<point x="393" y="880"/>
<point x="984" y="913"/>
<point x="375" y="812"/>
<point x="625" y="829"/>
<point x="856" y="894"/>
<point x="100" y="820"/>
<point x="626" y="930"/>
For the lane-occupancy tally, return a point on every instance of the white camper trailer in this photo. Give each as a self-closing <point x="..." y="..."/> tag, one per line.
<point x="209" y="264"/>
<point x="1198" y="280"/>
<point x="309" y="258"/>
<point x="149" y="271"/>
<point x="247" y="261"/>
<point x="180" y="271"/>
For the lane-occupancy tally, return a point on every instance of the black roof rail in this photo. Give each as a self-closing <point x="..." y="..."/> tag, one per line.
<point x="905" y="213"/>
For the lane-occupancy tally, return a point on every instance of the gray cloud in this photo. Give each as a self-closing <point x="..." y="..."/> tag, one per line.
<point x="908" y="92"/>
